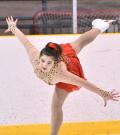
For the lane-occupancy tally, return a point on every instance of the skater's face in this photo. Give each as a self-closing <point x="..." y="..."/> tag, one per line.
<point x="46" y="63"/>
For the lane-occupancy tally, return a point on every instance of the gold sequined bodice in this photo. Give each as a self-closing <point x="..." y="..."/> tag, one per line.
<point x="46" y="76"/>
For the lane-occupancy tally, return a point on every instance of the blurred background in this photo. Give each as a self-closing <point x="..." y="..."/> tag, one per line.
<point x="58" y="16"/>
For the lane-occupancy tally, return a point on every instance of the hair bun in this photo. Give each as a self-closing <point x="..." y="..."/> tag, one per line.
<point x="52" y="45"/>
<point x="52" y="49"/>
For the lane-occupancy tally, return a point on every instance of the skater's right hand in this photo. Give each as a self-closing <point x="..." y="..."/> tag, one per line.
<point x="11" y="24"/>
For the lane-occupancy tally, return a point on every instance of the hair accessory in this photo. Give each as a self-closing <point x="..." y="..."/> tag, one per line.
<point x="52" y="45"/>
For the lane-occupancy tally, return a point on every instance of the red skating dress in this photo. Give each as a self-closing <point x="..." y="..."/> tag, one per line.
<point x="69" y="56"/>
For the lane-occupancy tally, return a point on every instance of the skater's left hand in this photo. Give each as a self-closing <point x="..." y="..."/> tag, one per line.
<point x="113" y="95"/>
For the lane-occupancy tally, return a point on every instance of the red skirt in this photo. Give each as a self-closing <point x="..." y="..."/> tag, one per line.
<point x="73" y="66"/>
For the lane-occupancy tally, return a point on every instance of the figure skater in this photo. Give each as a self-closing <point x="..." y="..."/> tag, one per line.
<point x="59" y="65"/>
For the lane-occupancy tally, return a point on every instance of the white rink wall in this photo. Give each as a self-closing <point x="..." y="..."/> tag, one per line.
<point x="24" y="99"/>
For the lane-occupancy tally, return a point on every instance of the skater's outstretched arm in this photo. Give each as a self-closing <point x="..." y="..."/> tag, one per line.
<point x="67" y="77"/>
<point x="32" y="51"/>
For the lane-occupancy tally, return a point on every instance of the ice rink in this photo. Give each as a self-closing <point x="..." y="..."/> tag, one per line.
<point x="24" y="99"/>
